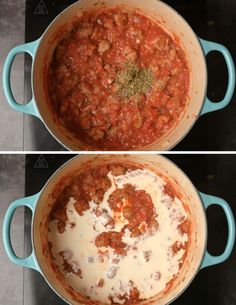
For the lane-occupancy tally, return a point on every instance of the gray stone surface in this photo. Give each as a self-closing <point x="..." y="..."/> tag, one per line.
<point x="12" y="27"/>
<point x="12" y="183"/>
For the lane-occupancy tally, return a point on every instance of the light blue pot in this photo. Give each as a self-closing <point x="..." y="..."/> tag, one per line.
<point x="199" y="48"/>
<point x="31" y="203"/>
<point x="202" y="201"/>
<point x="31" y="49"/>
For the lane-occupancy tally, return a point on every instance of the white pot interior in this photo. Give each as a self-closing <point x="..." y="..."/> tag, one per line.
<point x="171" y="21"/>
<point x="155" y="162"/>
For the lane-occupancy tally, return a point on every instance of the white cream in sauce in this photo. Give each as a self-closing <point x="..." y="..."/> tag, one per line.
<point x="149" y="277"/>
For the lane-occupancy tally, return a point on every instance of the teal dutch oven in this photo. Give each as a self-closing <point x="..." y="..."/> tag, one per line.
<point x="41" y="204"/>
<point x="196" y="50"/>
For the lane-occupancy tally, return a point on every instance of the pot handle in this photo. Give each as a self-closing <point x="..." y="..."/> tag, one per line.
<point x="209" y="46"/>
<point x="209" y="259"/>
<point x="29" y="48"/>
<point x="30" y="261"/>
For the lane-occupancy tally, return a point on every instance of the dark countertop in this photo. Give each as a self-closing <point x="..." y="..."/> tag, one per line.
<point x="212" y="174"/>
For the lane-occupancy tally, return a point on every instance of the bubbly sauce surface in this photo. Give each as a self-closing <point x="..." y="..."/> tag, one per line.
<point x="119" y="234"/>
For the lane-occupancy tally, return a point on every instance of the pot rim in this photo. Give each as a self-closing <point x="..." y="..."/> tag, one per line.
<point x="181" y="172"/>
<point x="141" y="148"/>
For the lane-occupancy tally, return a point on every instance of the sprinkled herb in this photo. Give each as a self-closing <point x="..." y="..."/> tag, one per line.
<point x="133" y="80"/>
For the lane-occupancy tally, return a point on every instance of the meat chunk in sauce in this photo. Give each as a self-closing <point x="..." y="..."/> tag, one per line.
<point x="69" y="265"/>
<point x="111" y="239"/>
<point x="121" y="19"/>
<point x="84" y="30"/>
<point x="103" y="46"/>
<point x="82" y="79"/>
<point x="100" y="283"/>
<point x="137" y="208"/>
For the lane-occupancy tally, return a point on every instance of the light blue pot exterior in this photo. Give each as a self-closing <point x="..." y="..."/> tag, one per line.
<point x="209" y="46"/>
<point x="31" y="49"/>
<point x="210" y="260"/>
<point x="31" y="202"/>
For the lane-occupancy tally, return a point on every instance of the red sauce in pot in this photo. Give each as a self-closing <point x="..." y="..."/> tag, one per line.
<point x="84" y="87"/>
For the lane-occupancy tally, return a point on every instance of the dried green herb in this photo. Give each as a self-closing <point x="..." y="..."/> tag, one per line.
<point x="133" y="80"/>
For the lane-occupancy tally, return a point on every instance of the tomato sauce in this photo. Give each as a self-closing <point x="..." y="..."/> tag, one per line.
<point x="83" y="80"/>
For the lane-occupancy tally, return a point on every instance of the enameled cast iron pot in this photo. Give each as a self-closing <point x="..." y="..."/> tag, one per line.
<point x="197" y="257"/>
<point x="196" y="49"/>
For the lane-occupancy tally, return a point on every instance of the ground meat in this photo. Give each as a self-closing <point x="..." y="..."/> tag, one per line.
<point x="87" y="186"/>
<point x="184" y="227"/>
<point x="137" y="208"/>
<point x="59" y="212"/>
<point x="133" y="296"/>
<point x="176" y="247"/>
<point x="121" y="19"/>
<point x="100" y="283"/>
<point x="153" y="226"/>
<point x="103" y="46"/>
<point x="82" y="80"/>
<point x="84" y="30"/>
<point x="117" y="169"/>
<point x="111" y="239"/>
<point x="93" y="184"/>
<point x="81" y="205"/>
<point x="69" y="265"/>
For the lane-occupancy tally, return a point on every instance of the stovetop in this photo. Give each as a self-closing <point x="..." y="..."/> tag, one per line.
<point x="210" y="19"/>
<point x="213" y="174"/>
